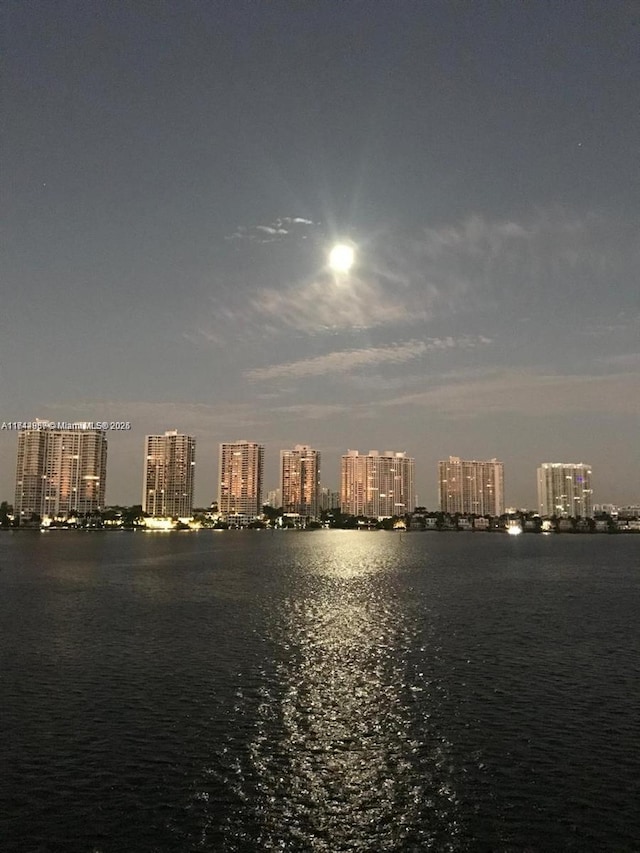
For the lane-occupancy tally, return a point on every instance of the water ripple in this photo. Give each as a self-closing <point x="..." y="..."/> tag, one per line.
<point x="329" y="692"/>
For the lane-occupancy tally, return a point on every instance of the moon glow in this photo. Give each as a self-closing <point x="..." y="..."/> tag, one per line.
<point x="341" y="258"/>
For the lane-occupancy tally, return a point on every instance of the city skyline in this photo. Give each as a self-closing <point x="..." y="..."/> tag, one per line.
<point x="177" y="175"/>
<point x="462" y="486"/>
<point x="59" y="471"/>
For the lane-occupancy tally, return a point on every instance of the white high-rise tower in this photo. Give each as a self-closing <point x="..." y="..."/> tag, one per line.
<point x="564" y="488"/>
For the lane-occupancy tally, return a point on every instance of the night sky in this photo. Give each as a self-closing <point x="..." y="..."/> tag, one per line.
<point x="175" y="173"/>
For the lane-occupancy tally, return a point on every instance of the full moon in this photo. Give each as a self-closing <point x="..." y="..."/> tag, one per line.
<point x="341" y="258"/>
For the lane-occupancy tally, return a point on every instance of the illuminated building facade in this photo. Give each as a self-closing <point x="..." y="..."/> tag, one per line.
<point x="378" y="485"/>
<point x="471" y="487"/>
<point x="169" y="474"/>
<point x="564" y="488"/>
<point x="60" y="473"/>
<point x="300" y="480"/>
<point x="240" y="480"/>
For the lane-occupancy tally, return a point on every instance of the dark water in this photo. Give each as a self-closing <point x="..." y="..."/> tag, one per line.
<point x="325" y="691"/>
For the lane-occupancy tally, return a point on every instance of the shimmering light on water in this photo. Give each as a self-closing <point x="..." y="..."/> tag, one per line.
<point x="319" y="692"/>
<point x="343" y="765"/>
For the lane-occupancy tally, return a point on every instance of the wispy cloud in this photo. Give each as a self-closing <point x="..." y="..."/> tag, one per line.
<point x="200" y="336"/>
<point x="623" y="323"/>
<point x="628" y="359"/>
<point x="476" y="264"/>
<point x="312" y="411"/>
<point x="326" y="303"/>
<point x="157" y="416"/>
<point x="283" y="226"/>
<point x="347" y="361"/>
<point x="268" y="229"/>
<point x="479" y="268"/>
<point x="528" y="393"/>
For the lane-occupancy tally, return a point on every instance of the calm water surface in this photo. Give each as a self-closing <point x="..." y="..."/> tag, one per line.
<point x="325" y="691"/>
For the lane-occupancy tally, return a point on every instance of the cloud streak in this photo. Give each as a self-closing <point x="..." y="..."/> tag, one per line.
<point x="478" y="273"/>
<point x="472" y="266"/>
<point x="148" y="416"/>
<point x="326" y="304"/>
<point x="348" y="361"/>
<point x="280" y="228"/>
<point x="527" y="393"/>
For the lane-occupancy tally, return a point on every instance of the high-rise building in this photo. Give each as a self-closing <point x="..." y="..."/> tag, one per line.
<point x="60" y="472"/>
<point x="169" y="472"/>
<point x="329" y="499"/>
<point x="471" y="487"/>
<point x="378" y="485"/>
<point x="274" y="498"/>
<point x="564" y="488"/>
<point x="300" y="480"/>
<point x="240" y="480"/>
